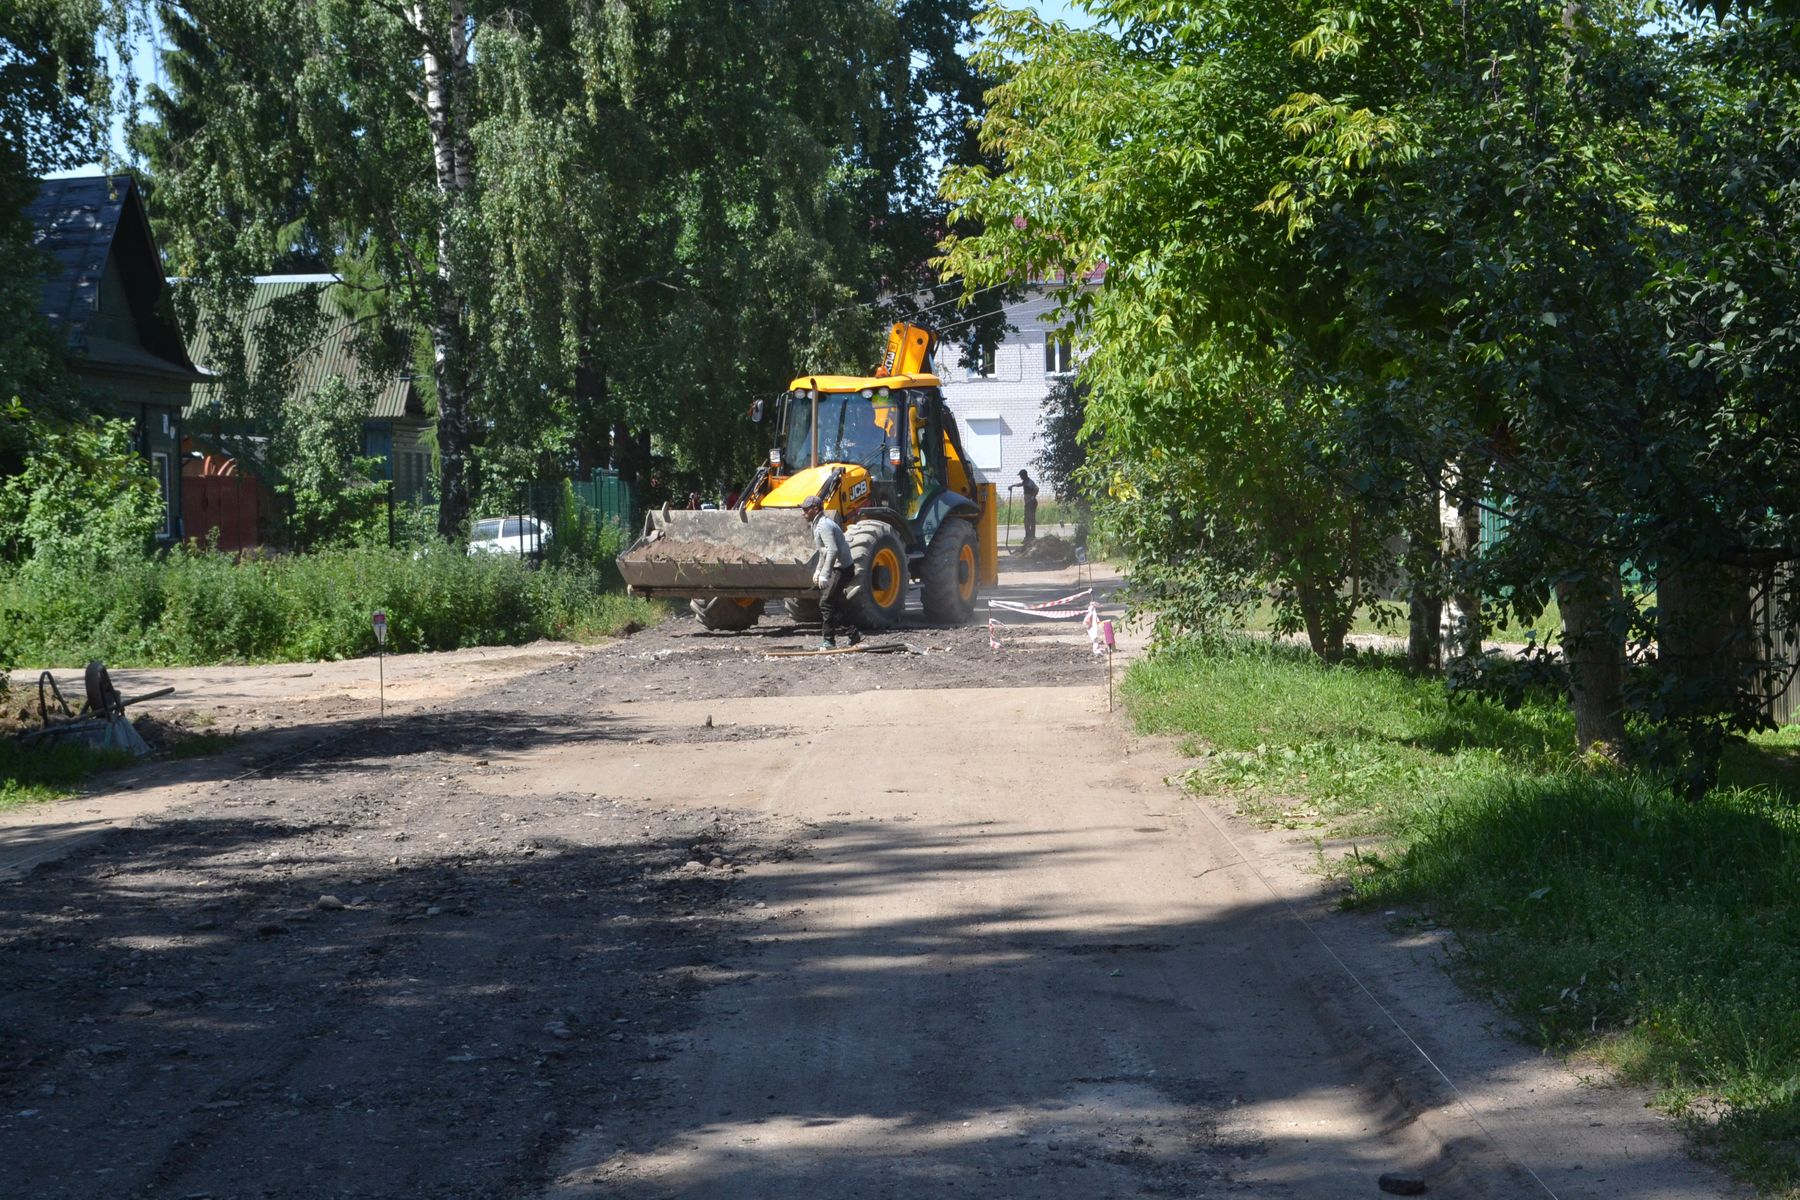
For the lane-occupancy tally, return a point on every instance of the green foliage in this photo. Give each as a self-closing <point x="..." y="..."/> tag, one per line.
<point x="83" y="500"/>
<point x="1538" y="252"/>
<point x="327" y="477"/>
<point x="194" y="607"/>
<point x="1611" y="914"/>
<point x="1064" y="455"/>
<point x="54" y="92"/>
<point x="626" y="217"/>
<point x="583" y="541"/>
<point x="1218" y="469"/>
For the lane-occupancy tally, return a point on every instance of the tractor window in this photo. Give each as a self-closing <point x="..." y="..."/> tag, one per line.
<point x="796" y="450"/>
<point x="852" y="429"/>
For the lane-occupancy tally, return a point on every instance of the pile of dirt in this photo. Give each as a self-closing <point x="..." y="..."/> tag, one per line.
<point x="693" y="550"/>
<point x="1050" y="551"/>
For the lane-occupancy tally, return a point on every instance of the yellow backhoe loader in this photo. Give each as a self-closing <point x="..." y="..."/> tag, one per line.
<point x="883" y="452"/>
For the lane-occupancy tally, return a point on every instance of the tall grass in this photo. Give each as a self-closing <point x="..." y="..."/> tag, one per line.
<point x="195" y="607"/>
<point x="32" y="774"/>
<point x="1602" y="912"/>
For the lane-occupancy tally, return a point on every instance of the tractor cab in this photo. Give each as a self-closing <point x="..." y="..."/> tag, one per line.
<point x="886" y="433"/>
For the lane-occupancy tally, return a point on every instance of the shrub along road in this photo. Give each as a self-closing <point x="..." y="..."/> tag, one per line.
<point x="676" y="919"/>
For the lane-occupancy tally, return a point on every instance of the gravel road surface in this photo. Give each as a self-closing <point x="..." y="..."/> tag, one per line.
<point x="673" y="919"/>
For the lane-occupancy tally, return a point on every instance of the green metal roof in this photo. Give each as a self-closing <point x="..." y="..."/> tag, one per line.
<point x="332" y="354"/>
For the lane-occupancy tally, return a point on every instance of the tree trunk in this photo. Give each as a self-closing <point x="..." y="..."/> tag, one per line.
<point x="1462" y="536"/>
<point x="1425" y="596"/>
<point x="1594" y="648"/>
<point x="444" y="55"/>
<point x="1325" y="626"/>
<point x="1705" y="631"/>
<point x="593" y="448"/>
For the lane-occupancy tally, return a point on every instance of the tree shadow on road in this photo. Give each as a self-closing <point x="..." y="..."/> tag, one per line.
<point x="508" y="999"/>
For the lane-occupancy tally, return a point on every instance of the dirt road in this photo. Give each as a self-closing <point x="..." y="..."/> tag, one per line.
<point x="674" y="919"/>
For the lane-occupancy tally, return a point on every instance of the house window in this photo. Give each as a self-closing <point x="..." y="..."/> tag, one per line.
<point x="983" y="440"/>
<point x="1058" y="355"/>
<point x="984" y="362"/>
<point x="159" y="466"/>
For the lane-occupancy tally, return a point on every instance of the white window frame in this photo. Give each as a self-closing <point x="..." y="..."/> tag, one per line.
<point x="1059" y="355"/>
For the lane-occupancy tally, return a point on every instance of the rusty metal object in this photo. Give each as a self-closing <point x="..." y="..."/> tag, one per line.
<point x="101" y="722"/>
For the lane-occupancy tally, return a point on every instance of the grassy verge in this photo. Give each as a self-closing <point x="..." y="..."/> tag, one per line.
<point x="1605" y="915"/>
<point x="1050" y="512"/>
<point x="195" y="608"/>
<point x="32" y="775"/>
<point x="1261" y="619"/>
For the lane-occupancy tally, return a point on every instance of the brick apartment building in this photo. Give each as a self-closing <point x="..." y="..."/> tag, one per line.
<point x="999" y="400"/>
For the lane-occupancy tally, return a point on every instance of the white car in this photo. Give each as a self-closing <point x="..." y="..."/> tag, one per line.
<point x="524" y="536"/>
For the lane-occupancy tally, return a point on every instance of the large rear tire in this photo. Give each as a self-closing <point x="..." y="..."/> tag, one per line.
<point x="802" y="611"/>
<point x="726" y="613"/>
<point x="952" y="578"/>
<point x="878" y="593"/>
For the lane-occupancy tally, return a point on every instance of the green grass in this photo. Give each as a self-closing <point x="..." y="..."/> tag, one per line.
<point x="196" y="608"/>
<point x="31" y="775"/>
<point x="1344" y="748"/>
<point x="1261" y="619"/>
<point x="1050" y="512"/>
<point x="1604" y="914"/>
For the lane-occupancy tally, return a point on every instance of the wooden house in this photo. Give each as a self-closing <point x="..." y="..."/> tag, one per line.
<point x="105" y="295"/>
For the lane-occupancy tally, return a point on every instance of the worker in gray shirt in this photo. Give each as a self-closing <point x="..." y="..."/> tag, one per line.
<point x="832" y="575"/>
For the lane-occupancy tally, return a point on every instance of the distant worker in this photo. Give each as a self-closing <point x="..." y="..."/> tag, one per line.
<point x="833" y="574"/>
<point x="1030" y="487"/>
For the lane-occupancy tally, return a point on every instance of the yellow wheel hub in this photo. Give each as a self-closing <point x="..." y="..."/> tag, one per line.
<point x="885" y="577"/>
<point x="965" y="572"/>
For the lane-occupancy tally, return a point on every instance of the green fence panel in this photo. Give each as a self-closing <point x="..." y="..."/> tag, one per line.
<point x="607" y="497"/>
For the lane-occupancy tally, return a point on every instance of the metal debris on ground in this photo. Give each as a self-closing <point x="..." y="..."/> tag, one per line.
<point x="863" y="648"/>
<point x="101" y="723"/>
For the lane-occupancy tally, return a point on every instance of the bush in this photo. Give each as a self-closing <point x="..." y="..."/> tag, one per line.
<point x="195" y="607"/>
<point x="84" y="495"/>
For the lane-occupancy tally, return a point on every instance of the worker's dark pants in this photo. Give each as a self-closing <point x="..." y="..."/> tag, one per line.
<point x="1030" y="521"/>
<point x="831" y="604"/>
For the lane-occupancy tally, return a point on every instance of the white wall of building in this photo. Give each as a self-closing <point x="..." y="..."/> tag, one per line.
<point x="1000" y="413"/>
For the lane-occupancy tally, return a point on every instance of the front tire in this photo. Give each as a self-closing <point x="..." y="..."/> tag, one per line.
<point x="878" y="593"/>
<point x="801" y="611"/>
<point x="951" y="576"/>
<point x="726" y="613"/>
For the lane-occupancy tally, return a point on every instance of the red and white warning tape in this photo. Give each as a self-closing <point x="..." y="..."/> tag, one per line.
<point x="1050" y="610"/>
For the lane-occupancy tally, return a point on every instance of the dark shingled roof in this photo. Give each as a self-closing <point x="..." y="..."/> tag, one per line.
<point x="334" y="353"/>
<point x="77" y="223"/>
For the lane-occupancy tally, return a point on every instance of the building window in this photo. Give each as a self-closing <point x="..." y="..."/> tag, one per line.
<point x="1059" y="356"/>
<point x="984" y="440"/>
<point x="984" y="362"/>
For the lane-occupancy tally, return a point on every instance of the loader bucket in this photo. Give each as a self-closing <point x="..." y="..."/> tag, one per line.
<point x="762" y="552"/>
